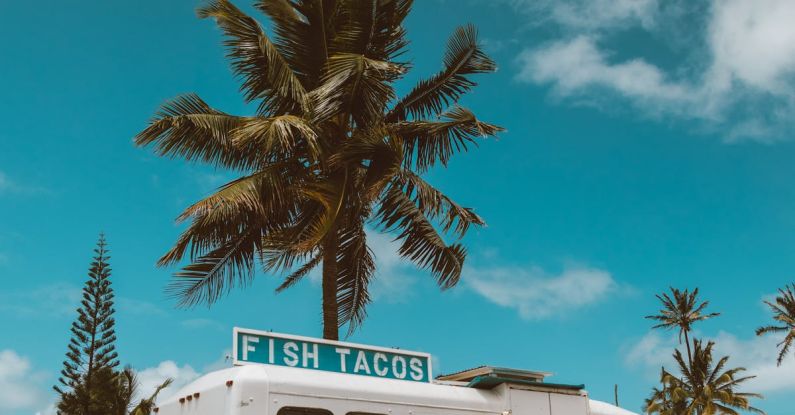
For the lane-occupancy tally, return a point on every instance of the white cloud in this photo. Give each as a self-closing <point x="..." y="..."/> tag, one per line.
<point x="9" y="186"/>
<point x="578" y="64"/>
<point x="53" y="300"/>
<point x="756" y="354"/>
<point x="594" y="14"/>
<point x="21" y="388"/>
<point x="152" y="377"/>
<point x="741" y="85"/>
<point x="753" y="41"/>
<point x="537" y="295"/>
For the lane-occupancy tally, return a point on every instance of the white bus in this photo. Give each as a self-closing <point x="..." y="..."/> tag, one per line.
<point x="276" y="374"/>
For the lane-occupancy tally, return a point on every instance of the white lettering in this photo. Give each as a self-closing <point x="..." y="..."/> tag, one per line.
<point x="343" y="352"/>
<point x="416" y="369"/>
<point x="270" y="351"/>
<point x="400" y="374"/>
<point x="377" y="364"/>
<point x="247" y="347"/>
<point x="291" y="358"/>
<point x="312" y="355"/>
<point x="361" y="363"/>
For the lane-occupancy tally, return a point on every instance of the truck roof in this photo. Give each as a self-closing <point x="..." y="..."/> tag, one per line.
<point x="336" y="386"/>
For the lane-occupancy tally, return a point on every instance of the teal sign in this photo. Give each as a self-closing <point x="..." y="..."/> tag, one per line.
<point x="261" y="347"/>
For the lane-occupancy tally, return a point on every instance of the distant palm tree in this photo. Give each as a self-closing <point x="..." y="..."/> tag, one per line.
<point x="783" y="313"/>
<point x="680" y="310"/>
<point x="116" y="391"/>
<point x="330" y="149"/>
<point x="668" y="399"/>
<point x="704" y="387"/>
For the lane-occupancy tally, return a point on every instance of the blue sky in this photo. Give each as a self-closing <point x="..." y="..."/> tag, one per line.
<point x="648" y="144"/>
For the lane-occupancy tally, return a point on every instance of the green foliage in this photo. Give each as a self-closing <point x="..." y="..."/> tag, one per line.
<point x="91" y="356"/>
<point x="784" y="313"/>
<point x="680" y="311"/>
<point x="331" y="149"/>
<point x="704" y="387"/>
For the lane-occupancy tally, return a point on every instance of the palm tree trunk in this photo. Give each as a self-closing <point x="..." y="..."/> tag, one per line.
<point x="689" y="356"/>
<point x="330" y="307"/>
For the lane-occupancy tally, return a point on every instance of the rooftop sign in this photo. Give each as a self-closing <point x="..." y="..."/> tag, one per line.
<point x="262" y="347"/>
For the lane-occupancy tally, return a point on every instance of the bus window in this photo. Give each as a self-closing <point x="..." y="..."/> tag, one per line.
<point x="296" y="410"/>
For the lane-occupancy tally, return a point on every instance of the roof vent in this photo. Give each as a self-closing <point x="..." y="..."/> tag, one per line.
<point x="488" y="377"/>
<point x="498" y="372"/>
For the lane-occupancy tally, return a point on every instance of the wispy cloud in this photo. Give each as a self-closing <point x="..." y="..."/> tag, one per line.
<point x="201" y="324"/>
<point x="738" y="81"/>
<point x="592" y="14"/>
<point x="60" y="300"/>
<point x="135" y="306"/>
<point x="14" y="187"/>
<point x="537" y="294"/>
<point x="49" y="301"/>
<point x="756" y="354"/>
<point x="21" y="387"/>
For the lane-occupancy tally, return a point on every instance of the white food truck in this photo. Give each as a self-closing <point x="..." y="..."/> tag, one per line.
<point x="277" y="374"/>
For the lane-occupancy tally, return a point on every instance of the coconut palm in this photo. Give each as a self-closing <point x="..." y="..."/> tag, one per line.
<point x="668" y="399"/>
<point x="126" y="388"/>
<point x="680" y="310"/>
<point x="703" y="387"/>
<point x="330" y="151"/>
<point x="784" y="313"/>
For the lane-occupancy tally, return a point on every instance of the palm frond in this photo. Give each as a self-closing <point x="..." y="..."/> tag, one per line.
<point x="436" y="205"/>
<point x="189" y="128"/>
<point x="420" y="242"/>
<point x="355" y="86"/>
<point x="300" y="273"/>
<point x="783" y="309"/>
<point x="277" y="138"/>
<point x="355" y="269"/>
<point x="264" y="72"/>
<point x="369" y="153"/>
<point x="261" y="193"/>
<point x="429" y="142"/>
<point x="430" y="97"/>
<point x="304" y="32"/>
<point x="217" y="272"/>
<point x="373" y="28"/>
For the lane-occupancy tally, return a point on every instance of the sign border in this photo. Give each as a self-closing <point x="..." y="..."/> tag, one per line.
<point x="235" y="362"/>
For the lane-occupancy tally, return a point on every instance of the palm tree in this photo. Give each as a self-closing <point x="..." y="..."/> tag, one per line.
<point x="680" y="310"/>
<point x="127" y="389"/>
<point x="783" y="313"/>
<point x="330" y="150"/>
<point x="704" y="387"/>
<point x="667" y="400"/>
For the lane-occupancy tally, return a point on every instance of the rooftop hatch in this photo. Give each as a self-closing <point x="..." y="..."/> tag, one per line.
<point x="499" y="372"/>
<point x="487" y="377"/>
